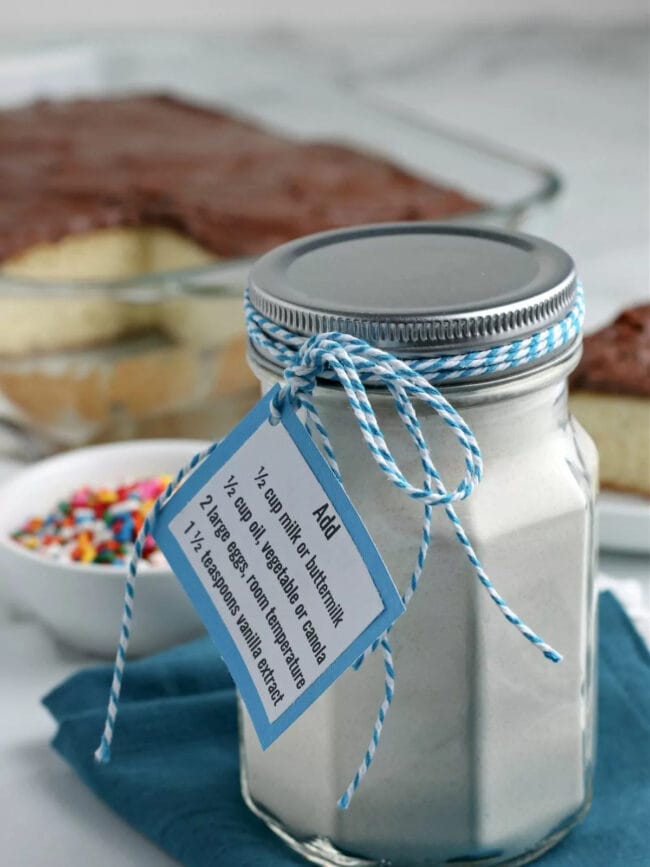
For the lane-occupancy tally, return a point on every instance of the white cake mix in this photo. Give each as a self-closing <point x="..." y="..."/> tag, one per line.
<point x="487" y="748"/>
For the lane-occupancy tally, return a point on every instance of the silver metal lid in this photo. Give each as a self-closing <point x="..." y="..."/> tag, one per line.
<point x="416" y="288"/>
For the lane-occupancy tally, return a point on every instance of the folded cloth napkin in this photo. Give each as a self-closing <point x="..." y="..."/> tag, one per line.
<point x="175" y="777"/>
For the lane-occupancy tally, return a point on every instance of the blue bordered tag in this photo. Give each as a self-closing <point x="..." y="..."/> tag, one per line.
<point x="279" y="565"/>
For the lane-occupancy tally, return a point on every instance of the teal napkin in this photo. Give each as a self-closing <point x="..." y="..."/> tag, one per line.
<point x="175" y="777"/>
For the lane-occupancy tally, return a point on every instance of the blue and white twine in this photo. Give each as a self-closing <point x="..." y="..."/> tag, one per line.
<point x="103" y="751"/>
<point x="355" y="364"/>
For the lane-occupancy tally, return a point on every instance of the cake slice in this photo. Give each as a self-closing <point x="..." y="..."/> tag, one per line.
<point x="610" y="396"/>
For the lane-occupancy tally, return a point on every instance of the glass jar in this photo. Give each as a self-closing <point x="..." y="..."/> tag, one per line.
<point x="487" y="752"/>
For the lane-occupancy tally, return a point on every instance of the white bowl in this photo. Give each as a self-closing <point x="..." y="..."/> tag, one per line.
<point x="82" y="603"/>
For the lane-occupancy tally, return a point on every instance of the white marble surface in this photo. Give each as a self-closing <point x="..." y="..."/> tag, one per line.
<point x="167" y="14"/>
<point x="575" y="96"/>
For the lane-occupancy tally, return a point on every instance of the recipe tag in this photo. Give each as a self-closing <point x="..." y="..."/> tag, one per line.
<point x="278" y="564"/>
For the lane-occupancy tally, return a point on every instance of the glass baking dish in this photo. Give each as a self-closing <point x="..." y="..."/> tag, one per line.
<point x="193" y="380"/>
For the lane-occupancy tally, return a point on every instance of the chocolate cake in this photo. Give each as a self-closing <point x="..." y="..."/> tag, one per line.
<point x="111" y="189"/>
<point x="234" y="188"/>
<point x="610" y="395"/>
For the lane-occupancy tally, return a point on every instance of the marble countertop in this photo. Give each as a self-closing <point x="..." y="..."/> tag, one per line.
<point x="572" y="95"/>
<point x="576" y="96"/>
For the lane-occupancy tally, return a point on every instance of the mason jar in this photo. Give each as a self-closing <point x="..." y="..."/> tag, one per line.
<point x="487" y="753"/>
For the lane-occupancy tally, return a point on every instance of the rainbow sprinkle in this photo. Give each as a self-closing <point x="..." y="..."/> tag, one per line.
<point x="96" y="525"/>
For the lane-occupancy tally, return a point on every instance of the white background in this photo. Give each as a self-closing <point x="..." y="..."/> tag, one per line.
<point x="81" y="14"/>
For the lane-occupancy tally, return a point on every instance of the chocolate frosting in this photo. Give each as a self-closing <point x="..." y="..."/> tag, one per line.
<point x="616" y="359"/>
<point x="237" y="189"/>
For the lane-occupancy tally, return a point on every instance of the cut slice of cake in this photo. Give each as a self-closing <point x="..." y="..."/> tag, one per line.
<point x="610" y="396"/>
